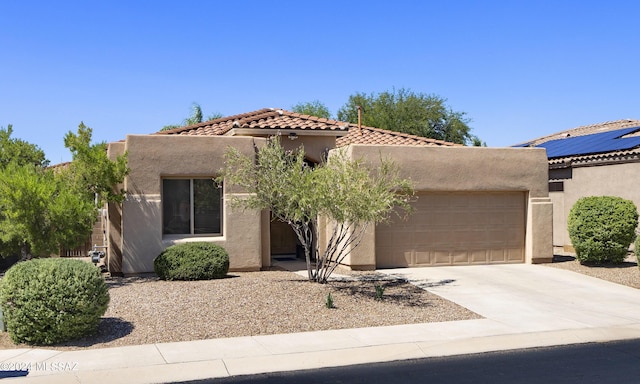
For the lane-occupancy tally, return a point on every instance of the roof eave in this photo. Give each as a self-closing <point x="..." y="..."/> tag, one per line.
<point x="284" y="132"/>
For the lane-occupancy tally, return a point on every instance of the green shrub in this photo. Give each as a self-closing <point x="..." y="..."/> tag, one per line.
<point x="192" y="261"/>
<point x="636" y="246"/>
<point x="49" y="301"/>
<point x="328" y="301"/>
<point x="601" y="228"/>
<point x="379" y="291"/>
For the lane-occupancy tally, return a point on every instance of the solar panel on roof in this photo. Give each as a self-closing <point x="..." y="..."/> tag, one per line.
<point x="591" y="144"/>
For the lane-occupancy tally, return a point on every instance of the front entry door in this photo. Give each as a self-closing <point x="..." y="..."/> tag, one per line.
<point x="283" y="239"/>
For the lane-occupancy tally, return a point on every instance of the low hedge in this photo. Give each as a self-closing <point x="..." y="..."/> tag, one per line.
<point x="602" y="228"/>
<point x="636" y="245"/>
<point x="49" y="301"/>
<point x="192" y="261"/>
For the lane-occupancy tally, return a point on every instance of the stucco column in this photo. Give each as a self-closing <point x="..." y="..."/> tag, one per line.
<point x="539" y="240"/>
<point x="114" y="239"/>
<point x="363" y="257"/>
<point x="265" y="233"/>
<point x="114" y="220"/>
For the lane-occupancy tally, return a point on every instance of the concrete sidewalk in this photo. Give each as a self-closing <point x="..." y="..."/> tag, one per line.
<point x="523" y="306"/>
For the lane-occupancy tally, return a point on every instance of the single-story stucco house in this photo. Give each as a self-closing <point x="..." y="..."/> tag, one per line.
<point x="475" y="205"/>
<point x="593" y="160"/>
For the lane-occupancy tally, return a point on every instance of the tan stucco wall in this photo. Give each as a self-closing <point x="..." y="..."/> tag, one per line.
<point x="246" y="233"/>
<point x="560" y="234"/>
<point x="114" y="217"/>
<point x="152" y="157"/>
<point x="315" y="147"/>
<point x="607" y="180"/>
<point x="466" y="169"/>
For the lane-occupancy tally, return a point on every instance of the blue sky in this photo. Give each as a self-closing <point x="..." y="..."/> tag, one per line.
<point x="519" y="69"/>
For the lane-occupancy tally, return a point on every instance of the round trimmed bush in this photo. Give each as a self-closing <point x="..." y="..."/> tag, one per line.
<point x="601" y="228"/>
<point x="636" y="245"/>
<point x="49" y="301"/>
<point x="192" y="261"/>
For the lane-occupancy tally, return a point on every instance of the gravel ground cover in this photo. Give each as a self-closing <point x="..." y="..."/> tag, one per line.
<point x="626" y="273"/>
<point x="147" y="310"/>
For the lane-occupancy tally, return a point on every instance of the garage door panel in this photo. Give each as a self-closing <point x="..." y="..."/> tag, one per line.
<point x="422" y="258"/>
<point x="394" y="258"/>
<point x="441" y="258"/>
<point x="460" y="257"/>
<point x="514" y="255"/>
<point x="456" y="229"/>
<point x="478" y="257"/>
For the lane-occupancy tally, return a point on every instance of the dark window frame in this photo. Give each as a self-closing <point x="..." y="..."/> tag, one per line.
<point x="185" y="212"/>
<point x="556" y="186"/>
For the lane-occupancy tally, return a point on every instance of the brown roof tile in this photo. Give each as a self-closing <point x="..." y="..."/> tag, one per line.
<point x="267" y="119"/>
<point x="275" y="119"/>
<point x="369" y="135"/>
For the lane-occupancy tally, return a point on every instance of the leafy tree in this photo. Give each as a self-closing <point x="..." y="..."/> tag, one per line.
<point x="414" y="113"/>
<point x="348" y="193"/>
<point x="91" y="172"/>
<point x="43" y="209"/>
<point x="477" y="142"/>
<point x="20" y="151"/>
<point x="196" y="117"/>
<point x="40" y="213"/>
<point x="312" y="108"/>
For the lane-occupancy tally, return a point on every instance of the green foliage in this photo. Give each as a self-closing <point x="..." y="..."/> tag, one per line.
<point x="312" y="108"/>
<point x="196" y="117"/>
<point x="19" y="151"/>
<point x="40" y="212"/>
<point x="192" y="261"/>
<point x="92" y="172"/>
<point x="49" y="301"/>
<point x="328" y="301"/>
<point x="351" y="194"/>
<point x="44" y="209"/>
<point x="379" y="291"/>
<point x="636" y="245"/>
<point x="601" y="228"/>
<point x="414" y="113"/>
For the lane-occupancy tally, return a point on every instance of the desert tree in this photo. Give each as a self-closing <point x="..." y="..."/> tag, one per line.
<point x="312" y="108"/>
<point x="19" y="151"/>
<point x="40" y="213"/>
<point x="91" y="172"/>
<point x="46" y="208"/>
<point x="196" y="117"/>
<point x="403" y="110"/>
<point x="346" y="194"/>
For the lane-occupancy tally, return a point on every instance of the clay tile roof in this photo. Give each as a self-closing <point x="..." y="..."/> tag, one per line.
<point x="369" y="135"/>
<point x="267" y="119"/>
<point x="271" y="119"/>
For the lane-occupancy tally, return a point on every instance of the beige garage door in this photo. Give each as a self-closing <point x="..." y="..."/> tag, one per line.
<point x="455" y="229"/>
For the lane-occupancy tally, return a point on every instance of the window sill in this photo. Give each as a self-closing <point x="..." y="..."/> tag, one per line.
<point x="180" y="239"/>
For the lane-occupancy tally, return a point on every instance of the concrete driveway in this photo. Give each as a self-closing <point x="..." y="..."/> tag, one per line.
<point x="523" y="306"/>
<point x="531" y="298"/>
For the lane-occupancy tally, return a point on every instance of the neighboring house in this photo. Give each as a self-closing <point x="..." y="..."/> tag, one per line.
<point x="475" y="205"/>
<point x="593" y="160"/>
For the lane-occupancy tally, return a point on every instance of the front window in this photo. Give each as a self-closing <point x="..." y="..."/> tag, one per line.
<point x="191" y="207"/>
